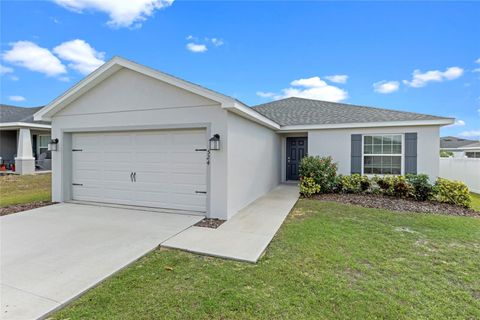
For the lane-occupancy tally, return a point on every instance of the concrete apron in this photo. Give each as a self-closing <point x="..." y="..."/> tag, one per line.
<point x="51" y="255"/>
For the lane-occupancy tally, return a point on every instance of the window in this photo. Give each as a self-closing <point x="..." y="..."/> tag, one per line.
<point x="474" y="154"/>
<point x="382" y="154"/>
<point x="43" y="145"/>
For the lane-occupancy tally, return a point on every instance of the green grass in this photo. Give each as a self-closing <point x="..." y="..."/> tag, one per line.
<point x="475" y="201"/>
<point x="328" y="261"/>
<point x="15" y="189"/>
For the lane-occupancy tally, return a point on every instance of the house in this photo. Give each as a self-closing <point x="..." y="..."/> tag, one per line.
<point x="461" y="148"/>
<point x="131" y="135"/>
<point x="23" y="140"/>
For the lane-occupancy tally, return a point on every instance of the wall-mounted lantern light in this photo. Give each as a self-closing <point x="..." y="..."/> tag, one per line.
<point x="53" y="145"/>
<point x="215" y="142"/>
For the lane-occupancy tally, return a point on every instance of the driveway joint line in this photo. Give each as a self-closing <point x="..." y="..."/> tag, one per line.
<point x="29" y="292"/>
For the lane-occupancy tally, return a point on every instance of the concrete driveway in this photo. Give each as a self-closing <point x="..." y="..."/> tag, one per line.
<point x="51" y="255"/>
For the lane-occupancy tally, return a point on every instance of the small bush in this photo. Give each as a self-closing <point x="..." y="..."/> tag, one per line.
<point x="322" y="170"/>
<point x="401" y="187"/>
<point x="422" y="189"/>
<point x="453" y="192"/>
<point x="354" y="183"/>
<point x="309" y="187"/>
<point x="385" y="184"/>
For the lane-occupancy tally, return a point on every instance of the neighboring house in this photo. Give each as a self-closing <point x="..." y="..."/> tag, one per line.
<point x="131" y="135"/>
<point x="461" y="148"/>
<point x="23" y="141"/>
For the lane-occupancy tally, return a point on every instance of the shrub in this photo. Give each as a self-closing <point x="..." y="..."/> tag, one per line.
<point x="385" y="184"/>
<point x="401" y="187"/>
<point x="354" y="183"/>
<point x="397" y="186"/>
<point x="322" y="170"/>
<point x="309" y="187"/>
<point x="422" y="189"/>
<point x="453" y="192"/>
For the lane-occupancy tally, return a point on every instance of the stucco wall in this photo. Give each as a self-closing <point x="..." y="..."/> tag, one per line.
<point x="336" y="143"/>
<point x="8" y="144"/>
<point x="254" y="158"/>
<point x="131" y="101"/>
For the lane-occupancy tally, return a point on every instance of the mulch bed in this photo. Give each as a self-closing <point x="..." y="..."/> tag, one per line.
<point x="397" y="204"/>
<point x="210" y="223"/>
<point x="22" y="207"/>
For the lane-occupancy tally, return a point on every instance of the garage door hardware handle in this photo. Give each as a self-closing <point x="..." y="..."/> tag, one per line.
<point x="77" y="150"/>
<point x="77" y="184"/>
<point x="201" y="192"/>
<point x="134" y="177"/>
<point x="131" y="176"/>
<point x="200" y="149"/>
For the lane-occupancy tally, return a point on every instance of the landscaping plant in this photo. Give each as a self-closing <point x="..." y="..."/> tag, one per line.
<point x="422" y="189"/>
<point x="309" y="187"/>
<point x="322" y="169"/>
<point x="354" y="183"/>
<point x="453" y="192"/>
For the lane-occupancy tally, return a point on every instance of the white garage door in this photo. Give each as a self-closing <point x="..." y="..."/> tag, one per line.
<point x="158" y="169"/>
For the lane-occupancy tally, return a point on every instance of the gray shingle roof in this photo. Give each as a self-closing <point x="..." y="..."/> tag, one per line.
<point x="18" y="114"/>
<point x="454" y="142"/>
<point x="299" y="111"/>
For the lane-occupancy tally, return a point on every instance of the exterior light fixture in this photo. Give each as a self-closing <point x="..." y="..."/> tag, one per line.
<point x="215" y="142"/>
<point x="53" y="145"/>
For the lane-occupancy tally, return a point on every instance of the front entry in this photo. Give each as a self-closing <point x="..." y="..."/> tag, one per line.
<point x="296" y="149"/>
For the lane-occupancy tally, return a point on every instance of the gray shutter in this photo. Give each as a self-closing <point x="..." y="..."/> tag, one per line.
<point x="411" y="152"/>
<point x="356" y="154"/>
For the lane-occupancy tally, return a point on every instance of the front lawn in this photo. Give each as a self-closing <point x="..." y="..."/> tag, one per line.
<point x="475" y="201"/>
<point x="328" y="260"/>
<point x="15" y="189"/>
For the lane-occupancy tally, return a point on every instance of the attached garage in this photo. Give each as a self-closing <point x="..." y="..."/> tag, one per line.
<point x="160" y="168"/>
<point x="131" y="135"/>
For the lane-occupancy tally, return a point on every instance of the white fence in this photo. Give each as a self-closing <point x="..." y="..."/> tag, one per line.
<point x="462" y="169"/>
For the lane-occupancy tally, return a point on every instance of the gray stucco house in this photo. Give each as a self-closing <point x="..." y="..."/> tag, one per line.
<point x="131" y="135"/>
<point x="23" y="140"/>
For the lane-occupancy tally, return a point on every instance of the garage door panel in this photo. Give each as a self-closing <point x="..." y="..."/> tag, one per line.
<point x="168" y="169"/>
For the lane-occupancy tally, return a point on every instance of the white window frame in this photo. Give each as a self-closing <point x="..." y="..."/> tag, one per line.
<point x="38" y="142"/>
<point x="402" y="155"/>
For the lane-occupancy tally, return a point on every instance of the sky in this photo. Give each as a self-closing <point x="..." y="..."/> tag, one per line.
<point x="413" y="56"/>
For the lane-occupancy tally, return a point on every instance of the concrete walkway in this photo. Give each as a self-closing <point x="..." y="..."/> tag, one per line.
<point x="246" y="236"/>
<point x="51" y="255"/>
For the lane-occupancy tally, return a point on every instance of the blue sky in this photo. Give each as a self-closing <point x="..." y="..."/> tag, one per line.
<point x="422" y="57"/>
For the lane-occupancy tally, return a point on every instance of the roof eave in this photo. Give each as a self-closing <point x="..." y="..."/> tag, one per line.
<point x="435" y="122"/>
<point x="16" y="125"/>
<point x="250" y="114"/>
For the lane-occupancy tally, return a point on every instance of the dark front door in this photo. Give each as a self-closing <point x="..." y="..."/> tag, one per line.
<point x="296" y="150"/>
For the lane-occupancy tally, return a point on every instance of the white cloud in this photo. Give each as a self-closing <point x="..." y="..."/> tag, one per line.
<point x="310" y="88"/>
<point x="14" y="78"/>
<point x="217" y="42"/>
<point x="29" y="55"/>
<point x="122" y="13"/>
<point x="477" y="61"/>
<point x="17" y="98"/>
<point x="265" y="94"/>
<point x="195" y="47"/>
<point x="5" y="69"/>
<point x="420" y="79"/>
<point x="337" y="78"/>
<point x="80" y="55"/>
<point x="386" y="86"/>
<point x="470" y="133"/>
